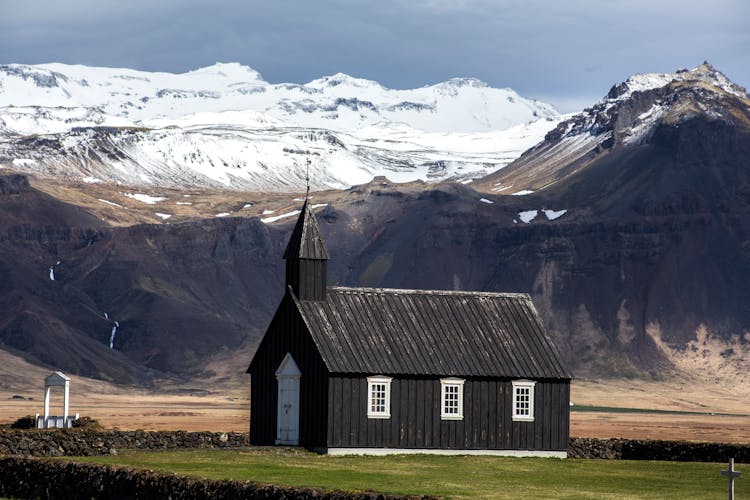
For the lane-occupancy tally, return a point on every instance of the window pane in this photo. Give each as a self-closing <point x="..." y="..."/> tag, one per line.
<point x="377" y="403"/>
<point x="451" y="399"/>
<point x="522" y="401"/>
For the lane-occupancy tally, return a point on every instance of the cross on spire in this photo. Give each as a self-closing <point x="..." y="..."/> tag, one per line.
<point x="307" y="177"/>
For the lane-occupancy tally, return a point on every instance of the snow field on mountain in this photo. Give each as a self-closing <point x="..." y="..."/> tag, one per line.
<point x="338" y="102"/>
<point x="225" y="127"/>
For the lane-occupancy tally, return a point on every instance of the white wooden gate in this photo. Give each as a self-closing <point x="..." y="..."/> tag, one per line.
<point x="287" y="414"/>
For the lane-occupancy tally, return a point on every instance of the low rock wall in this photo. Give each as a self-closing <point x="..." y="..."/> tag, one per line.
<point x="80" y="442"/>
<point x="46" y="479"/>
<point x="636" y="449"/>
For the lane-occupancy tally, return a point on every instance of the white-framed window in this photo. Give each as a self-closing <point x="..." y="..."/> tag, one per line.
<point x="523" y="400"/>
<point x="379" y="397"/>
<point x="451" y="398"/>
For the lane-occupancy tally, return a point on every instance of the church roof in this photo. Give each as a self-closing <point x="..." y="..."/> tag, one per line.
<point x="431" y="332"/>
<point x="306" y="242"/>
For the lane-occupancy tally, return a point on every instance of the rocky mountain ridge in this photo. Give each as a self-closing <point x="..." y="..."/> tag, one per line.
<point x="627" y="116"/>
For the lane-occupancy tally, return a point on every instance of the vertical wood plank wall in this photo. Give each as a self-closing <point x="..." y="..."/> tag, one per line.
<point x="307" y="278"/>
<point x="415" y="416"/>
<point x="287" y="333"/>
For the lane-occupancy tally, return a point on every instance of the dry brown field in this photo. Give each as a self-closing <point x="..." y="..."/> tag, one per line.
<point x="723" y="412"/>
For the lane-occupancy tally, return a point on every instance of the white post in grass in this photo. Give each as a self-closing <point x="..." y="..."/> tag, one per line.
<point x="732" y="475"/>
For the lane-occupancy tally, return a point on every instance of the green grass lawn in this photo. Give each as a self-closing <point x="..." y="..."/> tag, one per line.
<point x="465" y="476"/>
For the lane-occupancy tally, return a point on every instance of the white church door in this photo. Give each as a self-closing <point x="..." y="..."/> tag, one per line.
<point x="287" y="414"/>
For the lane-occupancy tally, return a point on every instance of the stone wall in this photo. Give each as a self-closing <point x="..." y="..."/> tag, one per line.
<point x="79" y="442"/>
<point x="680" y="451"/>
<point x="45" y="479"/>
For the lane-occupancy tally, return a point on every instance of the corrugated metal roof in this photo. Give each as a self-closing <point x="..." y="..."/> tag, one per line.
<point x="306" y="242"/>
<point x="431" y="332"/>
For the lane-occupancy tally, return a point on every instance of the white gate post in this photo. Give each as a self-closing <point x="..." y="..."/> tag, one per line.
<point x="66" y="396"/>
<point x="47" y="390"/>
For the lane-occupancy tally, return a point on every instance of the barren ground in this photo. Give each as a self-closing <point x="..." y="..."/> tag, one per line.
<point x="202" y="406"/>
<point x="730" y="406"/>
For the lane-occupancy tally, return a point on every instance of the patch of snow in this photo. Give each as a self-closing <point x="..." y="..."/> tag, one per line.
<point x="646" y="122"/>
<point x="485" y="200"/>
<point x="522" y="192"/>
<point x="110" y="203"/>
<point x="247" y="205"/>
<point x="184" y="203"/>
<point x="318" y="205"/>
<point x="106" y="316"/>
<point x="92" y="180"/>
<point x="24" y="162"/>
<point x="466" y="181"/>
<point x="224" y="214"/>
<point x="268" y="212"/>
<point x="554" y="214"/>
<point x="528" y="215"/>
<point x="163" y="216"/>
<point x="648" y="81"/>
<point x="299" y="199"/>
<point x="112" y="335"/>
<point x="268" y="220"/>
<point x="144" y="198"/>
<point x="52" y="273"/>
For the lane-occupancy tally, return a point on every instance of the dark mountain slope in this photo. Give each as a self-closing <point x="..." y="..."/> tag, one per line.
<point x="649" y="263"/>
<point x="183" y="292"/>
<point x="178" y="293"/>
<point x="663" y="175"/>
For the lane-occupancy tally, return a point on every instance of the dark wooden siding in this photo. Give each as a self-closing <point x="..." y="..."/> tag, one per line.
<point x="415" y="416"/>
<point x="307" y="278"/>
<point x="287" y="333"/>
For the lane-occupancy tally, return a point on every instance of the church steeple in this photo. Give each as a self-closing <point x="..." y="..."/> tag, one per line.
<point x="307" y="258"/>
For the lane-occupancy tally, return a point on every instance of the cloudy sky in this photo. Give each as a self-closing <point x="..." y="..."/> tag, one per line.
<point x="568" y="52"/>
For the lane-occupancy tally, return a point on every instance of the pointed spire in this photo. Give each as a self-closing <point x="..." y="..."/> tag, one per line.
<point x="306" y="241"/>
<point x="307" y="258"/>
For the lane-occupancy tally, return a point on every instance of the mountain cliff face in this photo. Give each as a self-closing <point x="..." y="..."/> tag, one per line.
<point x="657" y="174"/>
<point x="634" y="244"/>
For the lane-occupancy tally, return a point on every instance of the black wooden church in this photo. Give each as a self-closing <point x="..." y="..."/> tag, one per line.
<point x="372" y="370"/>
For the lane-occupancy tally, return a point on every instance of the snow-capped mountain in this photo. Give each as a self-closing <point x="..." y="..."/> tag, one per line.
<point x="224" y="126"/>
<point x="337" y="102"/>
<point x="625" y="118"/>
